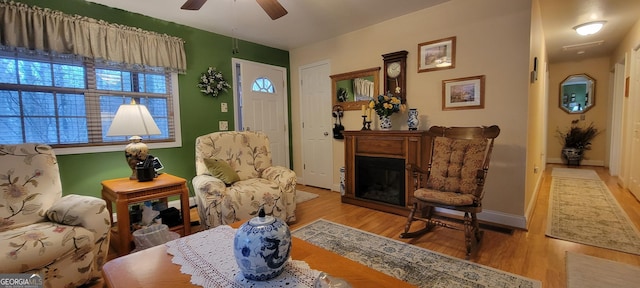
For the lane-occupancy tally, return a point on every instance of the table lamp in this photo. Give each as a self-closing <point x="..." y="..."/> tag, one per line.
<point x="134" y="120"/>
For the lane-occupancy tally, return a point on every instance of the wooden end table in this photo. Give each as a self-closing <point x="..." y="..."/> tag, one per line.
<point x="124" y="191"/>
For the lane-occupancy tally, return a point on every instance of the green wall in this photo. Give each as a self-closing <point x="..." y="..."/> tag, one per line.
<point x="199" y="114"/>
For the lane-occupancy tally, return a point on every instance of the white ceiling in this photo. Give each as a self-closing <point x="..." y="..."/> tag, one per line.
<point x="560" y="16"/>
<point x="315" y="20"/>
<point x="308" y="21"/>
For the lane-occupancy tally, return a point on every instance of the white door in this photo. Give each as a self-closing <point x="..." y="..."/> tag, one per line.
<point x="634" y="171"/>
<point x="261" y="105"/>
<point x="317" y="133"/>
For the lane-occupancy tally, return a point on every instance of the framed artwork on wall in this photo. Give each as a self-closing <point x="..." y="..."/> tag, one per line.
<point x="437" y="55"/>
<point x="463" y="93"/>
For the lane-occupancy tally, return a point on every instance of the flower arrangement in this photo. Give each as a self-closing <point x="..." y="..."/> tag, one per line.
<point x="385" y="105"/>
<point x="577" y="136"/>
<point x="212" y="82"/>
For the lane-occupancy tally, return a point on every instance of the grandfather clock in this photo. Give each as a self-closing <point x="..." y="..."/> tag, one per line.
<point x="395" y="73"/>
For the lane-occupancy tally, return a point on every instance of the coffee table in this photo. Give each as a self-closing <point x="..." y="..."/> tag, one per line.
<point x="152" y="267"/>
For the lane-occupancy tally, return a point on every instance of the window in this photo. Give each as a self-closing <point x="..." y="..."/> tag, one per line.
<point x="263" y="85"/>
<point x="67" y="101"/>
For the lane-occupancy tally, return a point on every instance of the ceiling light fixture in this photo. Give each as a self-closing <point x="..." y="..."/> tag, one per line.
<point x="589" y="28"/>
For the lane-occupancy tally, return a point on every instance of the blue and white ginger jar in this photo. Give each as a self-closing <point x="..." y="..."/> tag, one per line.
<point x="261" y="247"/>
<point x="413" y="120"/>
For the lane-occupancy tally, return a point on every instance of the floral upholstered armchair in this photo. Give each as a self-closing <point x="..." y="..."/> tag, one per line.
<point x="63" y="239"/>
<point x="235" y="177"/>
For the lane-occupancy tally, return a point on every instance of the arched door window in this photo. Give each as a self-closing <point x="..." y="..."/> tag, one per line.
<point x="263" y="84"/>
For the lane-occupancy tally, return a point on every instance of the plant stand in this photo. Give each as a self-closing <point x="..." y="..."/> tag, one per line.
<point x="573" y="156"/>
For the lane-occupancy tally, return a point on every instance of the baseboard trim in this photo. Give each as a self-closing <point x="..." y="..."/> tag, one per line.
<point x="496" y="217"/>
<point x="585" y="162"/>
<point x="534" y="199"/>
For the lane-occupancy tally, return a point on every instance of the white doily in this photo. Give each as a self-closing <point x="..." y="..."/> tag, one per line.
<point x="208" y="257"/>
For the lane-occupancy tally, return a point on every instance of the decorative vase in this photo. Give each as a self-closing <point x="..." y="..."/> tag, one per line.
<point x="385" y="122"/>
<point x="261" y="247"/>
<point x="573" y="155"/>
<point x="413" y="120"/>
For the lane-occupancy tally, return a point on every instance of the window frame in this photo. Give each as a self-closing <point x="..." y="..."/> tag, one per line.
<point x="152" y="144"/>
<point x="97" y="147"/>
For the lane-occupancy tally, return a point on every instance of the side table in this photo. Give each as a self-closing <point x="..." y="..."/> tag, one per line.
<point x="124" y="191"/>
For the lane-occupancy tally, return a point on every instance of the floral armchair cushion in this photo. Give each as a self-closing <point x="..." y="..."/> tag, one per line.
<point x="30" y="184"/>
<point x="260" y="184"/>
<point x="64" y="239"/>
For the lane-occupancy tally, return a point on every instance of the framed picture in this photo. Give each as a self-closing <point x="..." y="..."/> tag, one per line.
<point x="437" y="55"/>
<point x="463" y="93"/>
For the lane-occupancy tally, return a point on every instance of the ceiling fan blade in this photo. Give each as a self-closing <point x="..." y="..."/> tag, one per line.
<point x="193" y="4"/>
<point x="273" y="8"/>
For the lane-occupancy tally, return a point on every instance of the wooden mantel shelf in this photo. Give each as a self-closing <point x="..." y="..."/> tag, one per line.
<point x="412" y="146"/>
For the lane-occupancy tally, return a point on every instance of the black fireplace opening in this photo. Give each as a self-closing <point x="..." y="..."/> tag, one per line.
<point x="380" y="179"/>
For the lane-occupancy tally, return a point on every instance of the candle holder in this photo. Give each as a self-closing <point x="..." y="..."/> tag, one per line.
<point x="366" y="125"/>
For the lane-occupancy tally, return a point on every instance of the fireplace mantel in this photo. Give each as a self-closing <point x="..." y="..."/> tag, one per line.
<point x="408" y="145"/>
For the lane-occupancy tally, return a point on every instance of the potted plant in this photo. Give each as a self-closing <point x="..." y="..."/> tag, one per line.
<point x="575" y="140"/>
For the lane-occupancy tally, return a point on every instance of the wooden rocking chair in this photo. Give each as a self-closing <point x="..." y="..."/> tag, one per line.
<point x="454" y="179"/>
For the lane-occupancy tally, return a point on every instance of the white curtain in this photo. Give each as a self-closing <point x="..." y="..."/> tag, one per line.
<point x="363" y="89"/>
<point x="39" y="29"/>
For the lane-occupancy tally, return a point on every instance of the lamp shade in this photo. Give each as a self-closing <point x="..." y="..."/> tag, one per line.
<point x="133" y="120"/>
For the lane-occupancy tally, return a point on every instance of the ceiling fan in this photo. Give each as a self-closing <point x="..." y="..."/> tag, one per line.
<point x="271" y="7"/>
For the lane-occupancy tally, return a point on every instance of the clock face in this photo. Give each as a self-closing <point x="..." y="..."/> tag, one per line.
<point x="393" y="70"/>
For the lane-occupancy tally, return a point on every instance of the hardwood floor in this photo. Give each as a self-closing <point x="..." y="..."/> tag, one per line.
<point x="527" y="253"/>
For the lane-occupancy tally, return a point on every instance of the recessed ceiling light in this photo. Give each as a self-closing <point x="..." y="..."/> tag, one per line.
<point x="589" y="27"/>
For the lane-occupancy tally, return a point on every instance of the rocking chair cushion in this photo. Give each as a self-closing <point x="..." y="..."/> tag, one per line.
<point x="455" y="164"/>
<point x="443" y="197"/>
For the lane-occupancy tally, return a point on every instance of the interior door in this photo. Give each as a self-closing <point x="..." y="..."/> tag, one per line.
<point x="317" y="136"/>
<point x="261" y="105"/>
<point x="634" y="171"/>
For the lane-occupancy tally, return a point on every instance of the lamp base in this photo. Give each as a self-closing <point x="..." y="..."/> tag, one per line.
<point x="135" y="152"/>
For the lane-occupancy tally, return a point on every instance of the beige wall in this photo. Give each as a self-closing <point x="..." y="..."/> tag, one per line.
<point x="597" y="68"/>
<point x="493" y="39"/>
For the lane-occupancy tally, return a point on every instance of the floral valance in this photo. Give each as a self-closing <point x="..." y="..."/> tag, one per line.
<point x="43" y="29"/>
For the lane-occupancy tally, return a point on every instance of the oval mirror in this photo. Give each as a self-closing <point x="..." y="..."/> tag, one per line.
<point x="577" y="93"/>
<point x="351" y="90"/>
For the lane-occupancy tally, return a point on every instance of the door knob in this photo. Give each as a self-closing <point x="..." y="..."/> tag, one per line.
<point x="326" y="133"/>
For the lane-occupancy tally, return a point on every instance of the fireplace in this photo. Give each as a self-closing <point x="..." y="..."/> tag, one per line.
<point x="380" y="179"/>
<point x="375" y="162"/>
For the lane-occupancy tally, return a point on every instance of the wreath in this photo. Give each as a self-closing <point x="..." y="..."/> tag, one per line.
<point x="212" y="82"/>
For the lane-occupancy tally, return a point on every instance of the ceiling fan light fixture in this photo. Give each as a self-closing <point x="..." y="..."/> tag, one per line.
<point x="589" y="27"/>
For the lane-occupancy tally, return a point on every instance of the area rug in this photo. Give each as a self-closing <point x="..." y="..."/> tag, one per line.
<point x="584" y="271"/>
<point x="409" y="263"/>
<point x="574" y="173"/>
<point x="302" y="196"/>
<point x="584" y="211"/>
